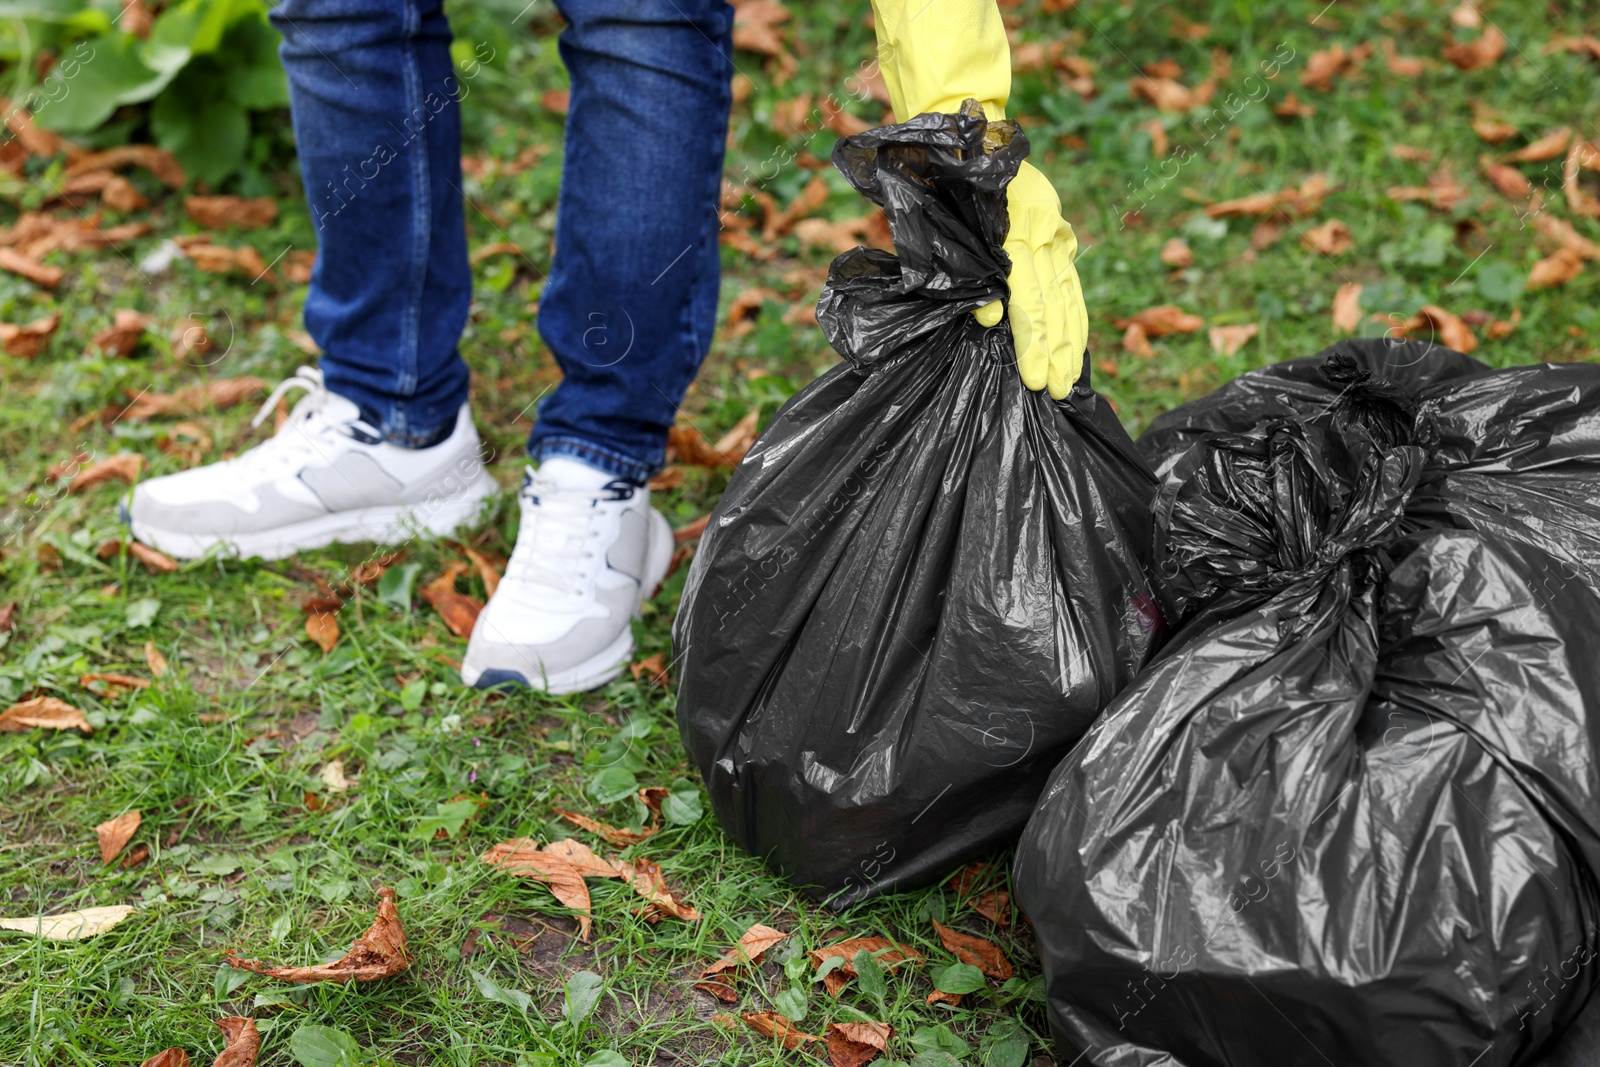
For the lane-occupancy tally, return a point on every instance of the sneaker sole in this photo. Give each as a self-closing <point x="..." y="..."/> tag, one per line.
<point x="384" y="525"/>
<point x="610" y="661"/>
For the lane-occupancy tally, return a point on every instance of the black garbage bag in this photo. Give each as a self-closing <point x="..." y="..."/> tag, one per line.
<point x="924" y="581"/>
<point x="1351" y="813"/>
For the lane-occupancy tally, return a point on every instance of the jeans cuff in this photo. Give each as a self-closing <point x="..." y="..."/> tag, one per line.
<point x="602" y="459"/>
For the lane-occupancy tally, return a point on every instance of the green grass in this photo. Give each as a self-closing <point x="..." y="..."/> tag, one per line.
<point x="220" y="753"/>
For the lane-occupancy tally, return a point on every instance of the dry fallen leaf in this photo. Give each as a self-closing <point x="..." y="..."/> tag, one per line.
<point x="220" y="259"/>
<point x="8" y="617"/>
<point x="1176" y="253"/>
<point x="323" y="629"/>
<point x="1289" y="200"/>
<point x="1551" y="146"/>
<point x="172" y="1057"/>
<point x="71" y="926"/>
<point x="1163" y="320"/>
<point x="939" y="996"/>
<point x="1332" y="238"/>
<point x="157" y="161"/>
<point x="649" y="882"/>
<point x="27" y="267"/>
<point x="43" y="713"/>
<point x="220" y="212"/>
<point x="28" y="341"/>
<point x="378" y="953"/>
<point x="753" y="944"/>
<point x="1446" y="328"/>
<point x="107" y="684"/>
<point x="1493" y="131"/>
<point x="854" y="1044"/>
<point x="1135" y="341"/>
<point x="1442" y="191"/>
<point x="154" y="659"/>
<point x="1324" y="66"/>
<point x="994" y="905"/>
<point x="1557" y="269"/>
<point x="120" y="195"/>
<point x="1562" y="232"/>
<point x="489" y="571"/>
<point x="459" y="611"/>
<point x="1478" y="54"/>
<point x="1227" y="340"/>
<point x="771" y="1024"/>
<point x="1399" y="65"/>
<point x="975" y="951"/>
<point x="836" y="980"/>
<point x="1167" y="94"/>
<point x="1579" y="200"/>
<point x="154" y="560"/>
<point x="755" y="27"/>
<point x="114" y="834"/>
<point x="613" y="835"/>
<point x="526" y="859"/>
<point x="1347" y="308"/>
<point x="691" y="447"/>
<point x="1508" y="180"/>
<point x="652" y="669"/>
<point x="243" y="1043"/>
<point x="1500" y="329"/>
<point x="123" y="335"/>
<point x="734" y="444"/>
<point x="218" y="393"/>
<point x="1292" y="107"/>
<point x="333" y="777"/>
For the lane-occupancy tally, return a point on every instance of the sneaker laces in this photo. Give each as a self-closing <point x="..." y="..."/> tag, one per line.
<point x="556" y="544"/>
<point x="307" y="425"/>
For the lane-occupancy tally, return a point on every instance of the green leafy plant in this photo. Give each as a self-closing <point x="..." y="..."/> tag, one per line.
<point x="204" y="67"/>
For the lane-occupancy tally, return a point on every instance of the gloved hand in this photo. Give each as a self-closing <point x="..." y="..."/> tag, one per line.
<point x="935" y="54"/>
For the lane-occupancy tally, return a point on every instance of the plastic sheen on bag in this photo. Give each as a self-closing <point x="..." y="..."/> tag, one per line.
<point x="1351" y="813"/>
<point x="924" y="581"/>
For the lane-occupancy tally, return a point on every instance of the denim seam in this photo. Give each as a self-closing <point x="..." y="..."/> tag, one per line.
<point x="616" y="463"/>
<point x="421" y="219"/>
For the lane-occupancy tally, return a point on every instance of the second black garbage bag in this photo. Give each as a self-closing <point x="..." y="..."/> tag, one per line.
<point x="924" y="581"/>
<point x="1351" y="814"/>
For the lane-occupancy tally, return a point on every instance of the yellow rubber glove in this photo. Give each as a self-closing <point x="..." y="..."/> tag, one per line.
<point x="935" y="54"/>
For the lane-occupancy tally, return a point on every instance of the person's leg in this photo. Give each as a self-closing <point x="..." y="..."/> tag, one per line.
<point x="631" y="302"/>
<point x="378" y="130"/>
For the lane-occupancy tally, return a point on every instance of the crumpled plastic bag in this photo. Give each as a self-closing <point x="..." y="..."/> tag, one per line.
<point x="924" y="581"/>
<point x="1351" y="813"/>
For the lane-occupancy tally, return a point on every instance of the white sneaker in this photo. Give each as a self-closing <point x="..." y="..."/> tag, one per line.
<point x="324" y="477"/>
<point x="590" y="551"/>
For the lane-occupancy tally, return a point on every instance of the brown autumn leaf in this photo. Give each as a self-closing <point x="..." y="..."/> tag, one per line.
<point x="154" y="560"/>
<point x="28" y="341"/>
<point x="172" y="1057"/>
<point x="771" y="1024"/>
<point x="1160" y="143"/>
<point x="1324" y="66"/>
<point x="216" y="394"/>
<point x="652" y="669"/>
<point x="154" y="659"/>
<point x="459" y="611"/>
<point x="621" y="838"/>
<point x="43" y="713"/>
<point x="379" y="953"/>
<point x="837" y="979"/>
<point x="243" y="1043"/>
<point x="1165" y="67"/>
<point x="158" y="161"/>
<point x="297" y="266"/>
<point x="1292" y="107"/>
<point x="1410" y="153"/>
<point x="692" y="530"/>
<point x="489" y="571"/>
<point x="1562" y="233"/>
<point x="106" y="684"/>
<point x="1176" y="253"/>
<point x="114" y="834"/>
<point x="333" y="776"/>
<point x="1167" y="94"/>
<point x="1508" y="180"/>
<point x="524" y="858"/>
<point x="1163" y="320"/>
<point x="1493" y="131"/>
<point x="939" y="996"/>
<point x="27" y="267"/>
<point x="854" y="1044"/>
<point x="809" y="201"/>
<point x="221" y="259"/>
<point x="755" y="27"/>
<point x="1290" y="200"/>
<point x="1447" y="328"/>
<point x="1500" y="329"/>
<point x="753" y="944"/>
<point x="323" y="629"/>
<point x="1579" y="200"/>
<point x="1556" y="269"/>
<point x="1478" y="54"/>
<point x="975" y="952"/>
<point x="734" y="444"/>
<point x="691" y="447"/>
<point x="1347" y="308"/>
<point x="1227" y="340"/>
<point x="123" y="335"/>
<point x="1136" y="342"/>
<point x="1580" y="44"/>
<point x="120" y="195"/>
<point x="8" y="617"/>
<point x="1551" y="146"/>
<point x="221" y="212"/>
<point x="994" y="905"/>
<point x="125" y="467"/>
<point x="650" y="883"/>
<point x="1332" y="238"/>
<point x="1442" y="191"/>
<point x="720" y="987"/>
<point x="1399" y="65"/>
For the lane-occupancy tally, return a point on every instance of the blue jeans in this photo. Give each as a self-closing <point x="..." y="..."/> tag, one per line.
<point x="630" y="304"/>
